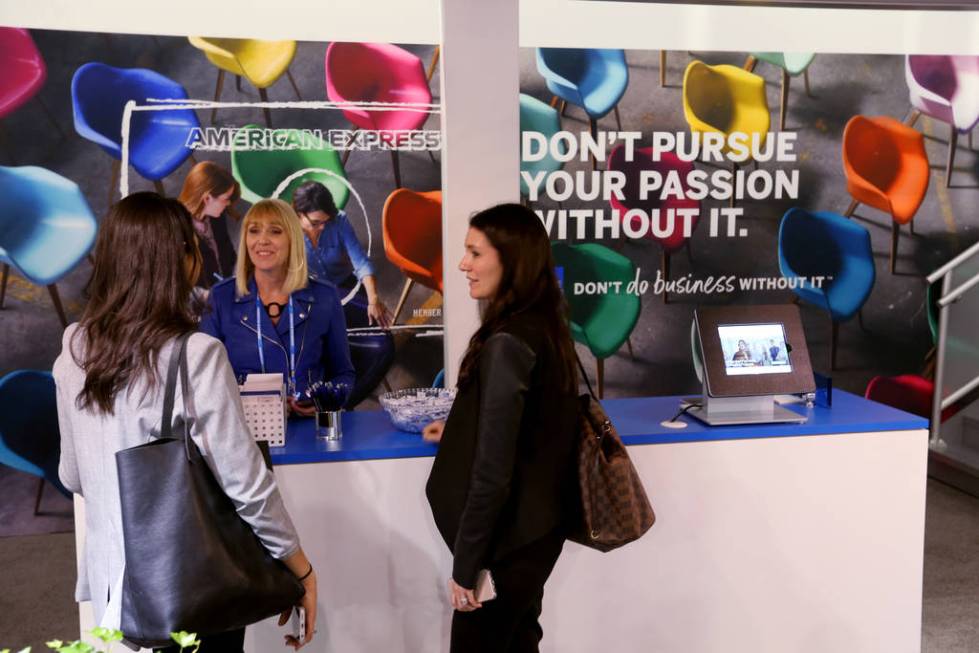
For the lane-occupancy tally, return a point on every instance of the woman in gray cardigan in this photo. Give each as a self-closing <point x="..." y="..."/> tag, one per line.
<point x="110" y="395"/>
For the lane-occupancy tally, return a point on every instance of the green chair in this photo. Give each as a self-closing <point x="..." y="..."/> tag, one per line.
<point x="603" y="322"/>
<point x="537" y="116"/>
<point x="792" y="64"/>
<point x="260" y="171"/>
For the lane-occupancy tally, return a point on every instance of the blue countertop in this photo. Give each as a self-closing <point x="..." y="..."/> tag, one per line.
<point x="369" y="435"/>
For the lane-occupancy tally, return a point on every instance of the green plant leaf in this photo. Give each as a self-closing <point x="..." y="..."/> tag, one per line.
<point x="26" y="649"/>
<point x="107" y="635"/>
<point x="185" y="639"/>
<point x="55" y="644"/>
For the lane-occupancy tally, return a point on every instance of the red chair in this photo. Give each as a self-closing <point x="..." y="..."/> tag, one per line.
<point x="411" y="224"/>
<point x="886" y="167"/>
<point x="642" y="160"/>
<point x="378" y="72"/>
<point x="23" y="74"/>
<point x="908" y="392"/>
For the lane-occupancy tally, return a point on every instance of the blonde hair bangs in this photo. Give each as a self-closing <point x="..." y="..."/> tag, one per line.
<point x="297" y="275"/>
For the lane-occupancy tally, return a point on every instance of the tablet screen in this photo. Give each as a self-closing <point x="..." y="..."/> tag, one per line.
<point x="754" y="349"/>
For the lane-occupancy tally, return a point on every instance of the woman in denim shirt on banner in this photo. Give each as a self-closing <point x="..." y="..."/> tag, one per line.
<point x="272" y="317"/>
<point x="335" y="255"/>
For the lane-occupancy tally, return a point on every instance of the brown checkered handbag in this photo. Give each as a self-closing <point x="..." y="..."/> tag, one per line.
<point x="615" y="508"/>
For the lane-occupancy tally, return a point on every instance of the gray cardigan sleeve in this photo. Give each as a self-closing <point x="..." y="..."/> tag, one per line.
<point x="220" y="431"/>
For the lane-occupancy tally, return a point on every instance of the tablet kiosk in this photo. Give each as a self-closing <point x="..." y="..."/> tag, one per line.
<point x="751" y="354"/>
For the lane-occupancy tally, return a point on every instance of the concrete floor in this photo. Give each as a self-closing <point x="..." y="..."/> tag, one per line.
<point x="896" y="338"/>
<point x="32" y="333"/>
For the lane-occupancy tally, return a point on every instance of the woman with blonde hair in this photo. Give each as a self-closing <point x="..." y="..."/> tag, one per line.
<point x="272" y="317"/>
<point x="209" y="192"/>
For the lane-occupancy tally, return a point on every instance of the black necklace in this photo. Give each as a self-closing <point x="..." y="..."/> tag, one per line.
<point x="278" y="309"/>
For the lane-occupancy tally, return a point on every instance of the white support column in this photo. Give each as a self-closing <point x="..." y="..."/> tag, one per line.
<point x="479" y="117"/>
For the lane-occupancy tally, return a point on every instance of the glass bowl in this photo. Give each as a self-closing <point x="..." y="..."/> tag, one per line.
<point x="411" y="409"/>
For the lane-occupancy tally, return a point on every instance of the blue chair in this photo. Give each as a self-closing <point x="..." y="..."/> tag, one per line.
<point x="29" y="438"/>
<point x="46" y="228"/>
<point x="820" y="243"/>
<point x="157" y="139"/>
<point x="439" y="381"/>
<point x="594" y="80"/>
<point x="537" y="116"/>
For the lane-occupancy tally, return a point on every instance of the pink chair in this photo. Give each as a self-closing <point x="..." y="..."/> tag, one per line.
<point x="947" y="89"/>
<point x="669" y="162"/>
<point x="23" y="73"/>
<point x="378" y="72"/>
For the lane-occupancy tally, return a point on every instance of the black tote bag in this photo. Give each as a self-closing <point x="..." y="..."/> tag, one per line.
<point x="191" y="562"/>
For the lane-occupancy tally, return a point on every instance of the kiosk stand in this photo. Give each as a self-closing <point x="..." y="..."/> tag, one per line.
<point x="750" y="355"/>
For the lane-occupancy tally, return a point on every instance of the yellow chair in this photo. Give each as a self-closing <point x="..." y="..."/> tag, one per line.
<point x="725" y="99"/>
<point x="260" y="62"/>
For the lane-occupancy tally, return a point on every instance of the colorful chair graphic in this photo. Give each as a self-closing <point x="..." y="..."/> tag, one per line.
<point x="601" y="322"/>
<point x="945" y="88"/>
<point x="820" y="243"/>
<point x="411" y="223"/>
<point x="642" y="161"/>
<point x="260" y="172"/>
<point x="46" y="228"/>
<point x="24" y="72"/>
<point x="909" y="392"/>
<point x="157" y="139"/>
<point x="886" y="167"/>
<point x="378" y="72"/>
<point x="594" y="80"/>
<point x="262" y="63"/>
<point x="792" y="64"/>
<point x="29" y="438"/>
<point x="537" y="116"/>
<point x="725" y="99"/>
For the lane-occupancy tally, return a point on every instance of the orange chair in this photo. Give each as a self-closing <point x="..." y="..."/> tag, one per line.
<point x="886" y="167"/>
<point x="411" y="224"/>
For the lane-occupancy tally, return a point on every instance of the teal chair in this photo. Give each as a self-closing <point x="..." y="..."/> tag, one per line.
<point x="46" y="228"/>
<point x="537" y="116"/>
<point x="602" y="322"/>
<point x="792" y="64"/>
<point x="259" y="172"/>
<point x="30" y="441"/>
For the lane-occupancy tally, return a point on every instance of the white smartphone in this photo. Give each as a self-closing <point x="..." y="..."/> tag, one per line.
<point x="485" y="587"/>
<point x="299" y="624"/>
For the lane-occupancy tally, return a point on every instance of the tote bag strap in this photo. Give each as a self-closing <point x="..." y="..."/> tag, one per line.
<point x="178" y="358"/>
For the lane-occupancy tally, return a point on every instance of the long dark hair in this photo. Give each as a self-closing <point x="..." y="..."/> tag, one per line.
<point x="138" y="295"/>
<point x="527" y="284"/>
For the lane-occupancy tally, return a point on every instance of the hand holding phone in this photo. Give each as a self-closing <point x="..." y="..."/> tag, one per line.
<point x="299" y="624"/>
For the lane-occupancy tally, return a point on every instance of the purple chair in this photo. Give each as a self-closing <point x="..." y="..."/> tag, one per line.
<point x="945" y="88"/>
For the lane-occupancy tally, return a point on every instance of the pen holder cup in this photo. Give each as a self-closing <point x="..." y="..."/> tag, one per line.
<point x="329" y="425"/>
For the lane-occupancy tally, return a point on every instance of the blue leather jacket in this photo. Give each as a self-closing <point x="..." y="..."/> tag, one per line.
<point x="320" y="333"/>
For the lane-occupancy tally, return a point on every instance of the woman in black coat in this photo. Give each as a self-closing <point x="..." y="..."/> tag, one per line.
<point x="503" y="486"/>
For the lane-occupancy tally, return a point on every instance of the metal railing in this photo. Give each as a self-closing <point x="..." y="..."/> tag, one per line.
<point x="947" y="298"/>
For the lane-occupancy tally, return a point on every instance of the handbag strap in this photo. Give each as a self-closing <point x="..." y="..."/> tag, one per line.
<point x="584" y="375"/>
<point x="177" y="363"/>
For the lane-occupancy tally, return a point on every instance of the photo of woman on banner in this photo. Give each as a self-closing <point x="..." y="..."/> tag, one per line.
<point x="209" y="193"/>
<point x="272" y="317"/>
<point x="334" y="254"/>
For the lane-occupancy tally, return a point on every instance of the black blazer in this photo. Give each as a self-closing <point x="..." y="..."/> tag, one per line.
<point x="506" y="470"/>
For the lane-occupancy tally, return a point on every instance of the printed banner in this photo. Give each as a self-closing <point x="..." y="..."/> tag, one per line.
<point x="89" y="118"/>
<point x="669" y="180"/>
